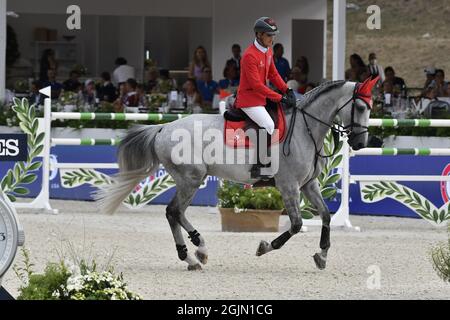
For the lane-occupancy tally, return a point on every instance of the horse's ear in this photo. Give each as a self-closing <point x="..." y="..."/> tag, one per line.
<point x="367" y="86"/>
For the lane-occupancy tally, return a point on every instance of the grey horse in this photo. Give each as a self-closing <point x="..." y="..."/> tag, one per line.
<point x="144" y="148"/>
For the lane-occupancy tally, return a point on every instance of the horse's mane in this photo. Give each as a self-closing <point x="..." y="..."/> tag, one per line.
<point x="312" y="95"/>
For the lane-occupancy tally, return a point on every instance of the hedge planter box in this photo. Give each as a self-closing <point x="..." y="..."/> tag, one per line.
<point x="250" y="220"/>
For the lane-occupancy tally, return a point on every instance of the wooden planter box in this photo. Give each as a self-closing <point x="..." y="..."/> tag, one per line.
<point x="250" y="220"/>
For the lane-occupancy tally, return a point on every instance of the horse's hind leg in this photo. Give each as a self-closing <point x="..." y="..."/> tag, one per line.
<point x="185" y="196"/>
<point x="291" y="198"/>
<point x="173" y="215"/>
<point x="312" y="191"/>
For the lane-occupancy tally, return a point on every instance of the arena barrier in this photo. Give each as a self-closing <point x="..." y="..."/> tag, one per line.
<point x="342" y="216"/>
<point x="340" y="219"/>
<point x="42" y="201"/>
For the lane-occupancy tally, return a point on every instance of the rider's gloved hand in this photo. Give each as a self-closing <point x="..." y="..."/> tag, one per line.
<point x="289" y="99"/>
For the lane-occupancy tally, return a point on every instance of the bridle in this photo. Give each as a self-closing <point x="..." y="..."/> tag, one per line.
<point x="336" y="128"/>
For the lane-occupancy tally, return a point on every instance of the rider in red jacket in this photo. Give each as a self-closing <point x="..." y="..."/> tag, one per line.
<point x="257" y="67"/>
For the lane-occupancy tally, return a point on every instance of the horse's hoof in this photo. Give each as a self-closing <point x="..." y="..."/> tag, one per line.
<point x="194" y="267"/>
<point x="321" y="263"/>
<point x="263" y="248"/>
<point x="202" y="257"/>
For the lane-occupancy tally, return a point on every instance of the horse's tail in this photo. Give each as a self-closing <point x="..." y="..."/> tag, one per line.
<point x="137" y="160"/>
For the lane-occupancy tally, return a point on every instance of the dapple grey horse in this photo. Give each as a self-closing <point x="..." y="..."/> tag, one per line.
<point x="144" y="148"/>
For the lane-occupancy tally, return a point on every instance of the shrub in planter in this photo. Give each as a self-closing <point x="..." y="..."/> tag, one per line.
<point x="69" y="281"/>
<point x="245" y="209"/>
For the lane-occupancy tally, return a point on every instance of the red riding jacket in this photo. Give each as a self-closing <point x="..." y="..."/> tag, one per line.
<point x="256" y="68"/>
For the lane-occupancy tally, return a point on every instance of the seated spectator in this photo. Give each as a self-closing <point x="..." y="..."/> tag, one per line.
<point x="55" y="85"/>
<point x="207" y="86"/>
<point x="106" y="90"/>
<point x="35" y="97"/>
<point x="128" y="97"/>
<point x="235" y="59"/>
<point x="388" y="87"/>
<point x="430" y="73"/>
<point x="303" y="64"/>
<point x="397" y="82"/>
<point x="358" y="71"/>
<point x="193" y="98"/>
<point x="438" y="86"/>
<point x="89" y="93"/>
<point x="131" y="97"/>
<point x="123" y="71"/>
<point x="230" y="74"/>
<point x="374" y="68"/>
<point x="153" y="79"/>
<point x="299" y="81"/>
<point x="165" y="84"/>
<point x="310" y="86"/>
<point x="197" y="64"/>
<point x="281" y="63"/>
<point x="72" y="84"/>
<point x="140" y="89"/>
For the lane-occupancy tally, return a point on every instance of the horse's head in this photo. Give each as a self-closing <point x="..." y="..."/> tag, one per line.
<point x="355" y="113"/>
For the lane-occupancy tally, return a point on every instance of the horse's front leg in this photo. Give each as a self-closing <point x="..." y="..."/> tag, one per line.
<point x="312" y="191"/>
<point x="291" y="199"/>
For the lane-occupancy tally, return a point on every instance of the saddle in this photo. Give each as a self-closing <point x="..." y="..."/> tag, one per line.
<point x="237" y="122"/>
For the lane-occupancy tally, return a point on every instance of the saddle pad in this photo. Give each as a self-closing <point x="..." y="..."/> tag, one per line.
<point x="234" y="132"/>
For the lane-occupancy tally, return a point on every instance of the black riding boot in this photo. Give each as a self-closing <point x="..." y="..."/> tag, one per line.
<point x="255" y="172"/>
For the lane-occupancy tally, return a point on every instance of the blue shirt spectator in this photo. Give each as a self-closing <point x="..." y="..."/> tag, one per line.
<point x="281" y="63"/>
<point x="225" y="83"/>
<point x="230" y="77"/>
<point x="207" y="86"/>
<point x="56" y="86"/>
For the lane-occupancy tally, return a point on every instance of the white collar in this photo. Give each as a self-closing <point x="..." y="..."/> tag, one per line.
<point x="260" y="47"/>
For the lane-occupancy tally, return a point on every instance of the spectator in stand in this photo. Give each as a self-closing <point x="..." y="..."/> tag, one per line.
<point x="438" y="87"/>
<point x="153" y="79"/>
<point x="197" y="64"/>
<point x="128" y="97"/>
<point x="430" y="73"/>
<point x="55" y="85"/>
<point x="131" y="97"/>
<point x="207" y="86"/>
<point x="165" y="84"/>
<point x="140" y="89"/>
<point x="310" y="86"/>
<point x="35" y="97"/>
<point x="299" y="81"/>
<point x="192" y="95"/>
<point x="106" y="90"/>
<point x="72" y="84"/>
<point x="47" y="62"/>
<point x="235" y="59"/>
<point x="89" y="92"/>
<point x="388" y="87"/>
<point x="281" y="63"/>
<point x="123" y="72"/>
<point x="398" y="83"/>
<point x="374" y="68"/>
<point x="303" y="64"/>
<point x="230" y="77"/>
<point x="358" y="71"/>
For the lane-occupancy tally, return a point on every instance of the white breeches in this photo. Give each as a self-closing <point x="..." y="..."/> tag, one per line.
<point x="262" y="118"/>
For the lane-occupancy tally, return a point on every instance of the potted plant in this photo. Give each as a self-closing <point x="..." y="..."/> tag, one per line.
<point x="246" y="209"/>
